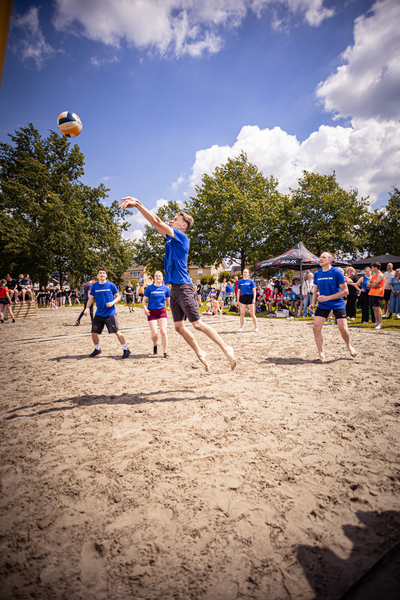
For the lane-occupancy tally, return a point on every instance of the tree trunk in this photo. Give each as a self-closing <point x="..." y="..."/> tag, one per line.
<point x="60" y="273"/>
<point x="242" y="261"/>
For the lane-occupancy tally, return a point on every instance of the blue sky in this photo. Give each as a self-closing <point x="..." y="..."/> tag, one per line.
<point x="169" y="89"/>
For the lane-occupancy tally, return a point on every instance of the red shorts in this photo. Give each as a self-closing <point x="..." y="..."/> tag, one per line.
<point x="157" y="313"/>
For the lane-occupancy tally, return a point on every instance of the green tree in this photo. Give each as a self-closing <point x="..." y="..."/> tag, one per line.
<point x="150" y="249"/>
<point x="384" y="227"/>
<point x="51" y="223"/>
<point x="233" y="211"/>
<point x="224" y="275"/>
<point x="211" y="280"/>
<point x="323" y="215"/>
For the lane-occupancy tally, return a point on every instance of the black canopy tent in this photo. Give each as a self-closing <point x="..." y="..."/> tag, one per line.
<point x="384" y="259"/>
<point x="298" y="256"/>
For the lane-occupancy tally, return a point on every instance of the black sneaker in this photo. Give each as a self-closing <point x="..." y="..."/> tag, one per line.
<point x="77" y="322"/>
<point x="13" y="321"/>
<point x="126" y="353"/>
<point x="155" y="350"/>
<point x="166" y="355"/>
<point x="95" y="352"/>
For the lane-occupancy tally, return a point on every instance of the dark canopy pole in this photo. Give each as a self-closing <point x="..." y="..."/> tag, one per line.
<point x="301" y="282"/>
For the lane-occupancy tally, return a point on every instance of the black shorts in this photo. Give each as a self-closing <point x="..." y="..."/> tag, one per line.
<point x="246" y="299"/>
<point x="340" y="313"/>
<point x="387" y="294"/>
<point x="110" y="322"/>
<point x="375" y="301"/>
<point x="183" y="303"/>
<point x="4" y="301"/>
<point x="129" y="299"/>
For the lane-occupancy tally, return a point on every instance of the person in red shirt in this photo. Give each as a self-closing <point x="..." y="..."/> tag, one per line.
<point x="5" y="301"/>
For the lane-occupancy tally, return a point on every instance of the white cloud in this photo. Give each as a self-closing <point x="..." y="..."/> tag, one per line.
<point x="174" y="27"/>
<point x="368" y="85"/>
<point x="99" y="62"/>
<point x="31" y="40"/>
<point x="136" y="234"/>
<point x="178" y="182"/>
<point x="365" y="155"/>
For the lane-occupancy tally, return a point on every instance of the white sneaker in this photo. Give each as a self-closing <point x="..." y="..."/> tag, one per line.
<point x="352" y="319"/>
<point x="256" y="329"/>
<point x="397" y="316"/>
<point x="240" y="329"/>
<point x="384" y="316"/>
<point x="378" y="327"/>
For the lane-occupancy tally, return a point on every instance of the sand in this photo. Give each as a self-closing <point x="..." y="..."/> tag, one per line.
<point x="148" y="478"/>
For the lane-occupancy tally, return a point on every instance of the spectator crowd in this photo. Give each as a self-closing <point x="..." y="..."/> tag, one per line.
<point x="275" y="297"/>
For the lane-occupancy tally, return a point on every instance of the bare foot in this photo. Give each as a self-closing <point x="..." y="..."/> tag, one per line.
<point x="352" y="351"/>
<point x="319" y="358"/>
<point x="202" y="359"/>
<point x="230" y="354"/>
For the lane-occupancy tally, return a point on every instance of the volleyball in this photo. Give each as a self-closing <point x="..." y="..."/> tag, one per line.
<point x="69" y="124"/>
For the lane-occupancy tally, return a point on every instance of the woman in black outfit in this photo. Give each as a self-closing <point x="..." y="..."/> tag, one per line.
<point x="354" y="290"/>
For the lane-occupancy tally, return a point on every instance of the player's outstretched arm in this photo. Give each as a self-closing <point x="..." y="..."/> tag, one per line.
<point x="161" y="227"/>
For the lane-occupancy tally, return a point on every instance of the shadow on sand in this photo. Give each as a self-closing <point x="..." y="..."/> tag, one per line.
<point x="336" y="578"/>
<point x="128" y="399"/>
<point x="278" y="360"/>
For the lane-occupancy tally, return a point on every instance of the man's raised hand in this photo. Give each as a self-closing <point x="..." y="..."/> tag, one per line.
<point x="129" y="202"/>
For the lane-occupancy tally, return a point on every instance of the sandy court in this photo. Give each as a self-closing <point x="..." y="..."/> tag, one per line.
<point x="148" y="478"/>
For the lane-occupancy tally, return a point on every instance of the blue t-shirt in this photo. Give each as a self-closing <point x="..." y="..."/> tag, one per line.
<point x="103" y="294"/>
<point x="291" y="296"/>
<point x="246" y="286"/>
<point x="328" y="283"/>
<point x="229" y="289"/>
<point x="364" y="283"/>
<point x="175" y="260"/>
<point x="156" y="295"/>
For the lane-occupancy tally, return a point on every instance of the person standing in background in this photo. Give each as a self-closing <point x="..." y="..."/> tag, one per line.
<point x="86" y="292"/>
<point x="388" y="275"/>
<point x="376" y="287"/>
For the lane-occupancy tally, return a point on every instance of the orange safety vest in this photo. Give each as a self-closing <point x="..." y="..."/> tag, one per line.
<point x="380" y="290"/>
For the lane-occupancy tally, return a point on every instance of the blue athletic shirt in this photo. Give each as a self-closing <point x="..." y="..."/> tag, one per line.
<point x="328" y="283"/>
<point x="364" y="283"/>
<point x="175" y="260"/>
<point x="157" y="295"/>
<point x="246" y="287"/>
<point x="229" y="289"/>
<point x="103" y="294"/>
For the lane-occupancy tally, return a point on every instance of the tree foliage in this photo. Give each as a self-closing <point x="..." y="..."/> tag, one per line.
<point x="233" y="212"/>
<point x="150" y="249"/>
<point x="224" y="275"/>
<point x="384" y="227"/>
<point x="322" y="215"/>
<point x="51" y="224"/>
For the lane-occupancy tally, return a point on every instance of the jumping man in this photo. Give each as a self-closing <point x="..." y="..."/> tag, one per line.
<point x="332" y="287"/>
<point x="176" y="274"/>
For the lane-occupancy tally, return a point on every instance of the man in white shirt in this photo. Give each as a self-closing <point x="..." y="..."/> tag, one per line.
<point x="307" y="291"/>
<point x="388" y="275"/>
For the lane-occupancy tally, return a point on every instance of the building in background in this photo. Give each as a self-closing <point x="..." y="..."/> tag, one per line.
<point x="196" y="273"/>
<point x="137" y="272"/>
